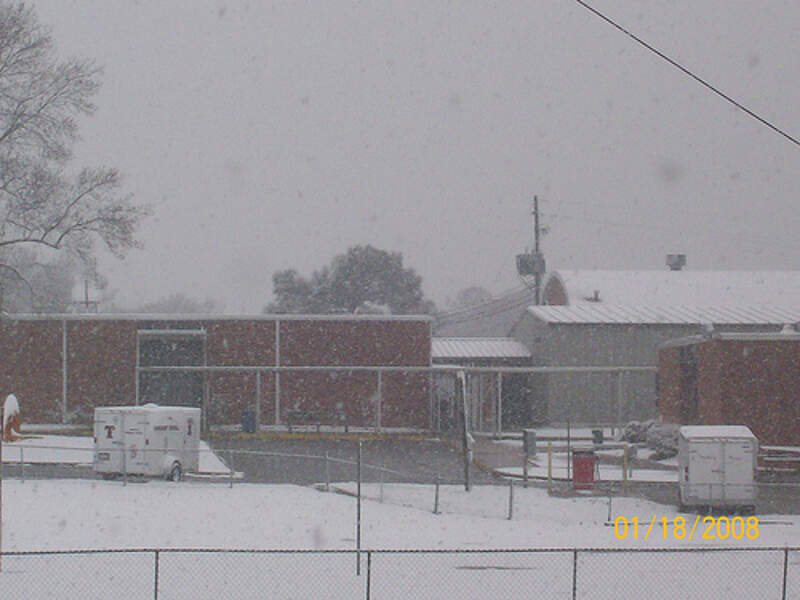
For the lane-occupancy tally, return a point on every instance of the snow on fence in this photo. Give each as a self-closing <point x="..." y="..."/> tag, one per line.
<point x="419" y="574"/>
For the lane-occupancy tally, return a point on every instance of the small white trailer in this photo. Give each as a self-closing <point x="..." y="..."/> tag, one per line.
<point x="151" y="440"/>
<point x="716" y="467"/>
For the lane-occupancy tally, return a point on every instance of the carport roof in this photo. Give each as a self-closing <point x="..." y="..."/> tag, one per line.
<point x="466" y="347"/>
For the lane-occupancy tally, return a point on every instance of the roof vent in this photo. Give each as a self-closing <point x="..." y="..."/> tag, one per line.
<point x="594" y="297"/>
<point x="676" y="262"/>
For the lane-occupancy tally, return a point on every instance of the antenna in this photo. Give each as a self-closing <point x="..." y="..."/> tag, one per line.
<point x="89" y="306"/>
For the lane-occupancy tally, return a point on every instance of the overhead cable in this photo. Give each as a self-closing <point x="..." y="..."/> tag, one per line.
<point x="700" y="80"/>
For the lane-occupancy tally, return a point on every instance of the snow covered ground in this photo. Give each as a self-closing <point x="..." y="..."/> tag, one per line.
<point x="80" y="514"/>
<point x="74" y="514"/>
<point x="96" y="514"/>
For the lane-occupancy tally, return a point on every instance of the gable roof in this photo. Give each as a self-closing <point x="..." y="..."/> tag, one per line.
<point x="672" y="288"/>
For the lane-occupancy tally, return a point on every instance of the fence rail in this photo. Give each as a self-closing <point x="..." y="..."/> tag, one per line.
<point x="389" y="573"/>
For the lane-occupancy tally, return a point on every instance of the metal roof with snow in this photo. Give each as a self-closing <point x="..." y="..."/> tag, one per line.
<point x="677" y="288"/>
<point x="463" y="347"/>
<point x="623" y="314"/>
<point x="716" y="431"/>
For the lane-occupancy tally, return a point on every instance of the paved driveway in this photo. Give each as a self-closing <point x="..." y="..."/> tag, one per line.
<point x="293" y="460"/>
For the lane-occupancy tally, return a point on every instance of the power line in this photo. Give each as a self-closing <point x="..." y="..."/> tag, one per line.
<point x="677" y="65"/>
<point x="514" y="298"/>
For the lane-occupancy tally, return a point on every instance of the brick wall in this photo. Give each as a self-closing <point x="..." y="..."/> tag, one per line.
<point x="739" y="382"/>
<point x="101" y="359"/>
<point x="31" y="367"/>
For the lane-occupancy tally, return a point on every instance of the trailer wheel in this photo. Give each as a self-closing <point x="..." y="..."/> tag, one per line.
<point x="110" y="476"/>
<point x="175" y="473"/>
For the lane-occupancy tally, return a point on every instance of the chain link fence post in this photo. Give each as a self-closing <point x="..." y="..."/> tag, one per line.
<point x="230" y="477"/>
<point x="574" y="574"/>
<point x="510" y="499"/>
<point x="327" y="473"/>
<point x="785" y="567"/>
<point x="369" y="572"/>
<point x="358" y="513"/>
<point x="155" y="574"/>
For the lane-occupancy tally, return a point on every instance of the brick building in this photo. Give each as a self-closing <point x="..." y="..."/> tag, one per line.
<point x="734" y="379"/>
<point x="60" y="366"/>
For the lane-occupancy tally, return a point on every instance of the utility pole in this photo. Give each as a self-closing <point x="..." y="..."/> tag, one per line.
<point x="533" y="263"/>
<point x="536" y="230"/>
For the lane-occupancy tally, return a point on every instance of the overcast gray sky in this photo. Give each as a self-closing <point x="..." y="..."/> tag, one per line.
<point x="271" y="135"/>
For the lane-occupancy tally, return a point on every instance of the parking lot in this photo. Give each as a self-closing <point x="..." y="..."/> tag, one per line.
<point x="300" y="460"/>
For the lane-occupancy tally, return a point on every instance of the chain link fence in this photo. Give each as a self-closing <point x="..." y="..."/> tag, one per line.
<point x="179" y="574"/>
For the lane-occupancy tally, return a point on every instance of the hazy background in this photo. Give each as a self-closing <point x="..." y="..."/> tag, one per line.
<point x="271" y="135"/>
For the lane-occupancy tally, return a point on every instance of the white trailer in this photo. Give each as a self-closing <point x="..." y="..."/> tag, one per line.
<point x="716" y="467"/>
<point x="152" y="440"/>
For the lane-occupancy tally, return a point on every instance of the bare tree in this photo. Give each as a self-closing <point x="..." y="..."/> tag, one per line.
<point x="35" y="286"/>
<point x="44" y="204"/>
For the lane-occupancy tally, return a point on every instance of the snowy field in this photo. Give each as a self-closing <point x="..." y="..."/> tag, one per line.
<point x="95" y="514"/>
<point x="74" y="514"/>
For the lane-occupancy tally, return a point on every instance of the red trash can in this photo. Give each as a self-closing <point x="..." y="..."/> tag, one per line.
<point x="583" y="469"/>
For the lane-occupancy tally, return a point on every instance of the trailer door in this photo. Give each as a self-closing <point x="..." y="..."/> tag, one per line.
<point x="136" y="443"/>
<point x="108" y="441"/>
<point x="706" y="470"/>
<point x="738" y="468"/>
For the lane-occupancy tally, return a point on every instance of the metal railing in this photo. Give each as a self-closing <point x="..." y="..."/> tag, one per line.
<point x="576" y="573"/>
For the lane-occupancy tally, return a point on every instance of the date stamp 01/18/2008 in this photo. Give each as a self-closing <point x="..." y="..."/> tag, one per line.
<point x="703" y="528"/>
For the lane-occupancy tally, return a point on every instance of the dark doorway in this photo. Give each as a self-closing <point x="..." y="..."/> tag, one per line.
<point x="174" y="389"/>
<point x="524" y="400"/>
